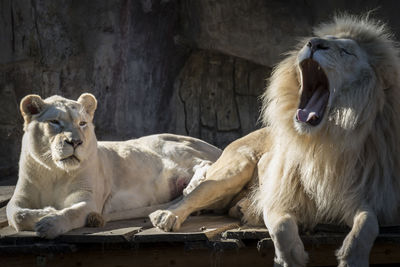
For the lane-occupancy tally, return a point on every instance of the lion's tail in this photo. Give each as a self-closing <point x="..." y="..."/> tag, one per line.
<point x="137" y="212"/>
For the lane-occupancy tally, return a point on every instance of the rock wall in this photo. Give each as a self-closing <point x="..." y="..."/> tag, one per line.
<point x="188" y="67"/>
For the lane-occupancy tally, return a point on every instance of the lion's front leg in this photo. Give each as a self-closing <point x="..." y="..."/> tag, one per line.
<point x="357" y="245"/>
<point x="201" y="197"/>
<point x="289" y="249"/>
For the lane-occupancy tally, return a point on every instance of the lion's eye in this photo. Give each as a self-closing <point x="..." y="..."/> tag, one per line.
<point x="345" y="51"/>
<point x="82" y="123"/>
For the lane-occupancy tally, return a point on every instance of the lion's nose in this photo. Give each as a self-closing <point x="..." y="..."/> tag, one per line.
<point x="317" y="44"/>
<point x="74" y="142"/>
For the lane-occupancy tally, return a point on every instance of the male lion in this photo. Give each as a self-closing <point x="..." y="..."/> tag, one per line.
<point x="67" y="178"/>
<point x="330" y="152"/>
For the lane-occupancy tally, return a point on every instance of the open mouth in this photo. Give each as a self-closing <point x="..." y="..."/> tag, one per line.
<point x="314" y="95"/>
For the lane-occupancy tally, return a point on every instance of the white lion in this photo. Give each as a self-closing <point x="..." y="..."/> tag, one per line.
<point x="67" y="178"/>
<point x="330" y="152"/>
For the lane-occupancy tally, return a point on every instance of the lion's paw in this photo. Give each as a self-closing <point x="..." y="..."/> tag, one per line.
<point x="165" y="220"/>
<point x="347" y="259"/>
<point x="51" y="226"/>
<point x="352" y="263"/>
<point x="95" y="219"/>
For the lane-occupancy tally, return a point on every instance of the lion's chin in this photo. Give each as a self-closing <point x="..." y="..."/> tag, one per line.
<point x="68" y="164"/>
<point x="305" y="128"/>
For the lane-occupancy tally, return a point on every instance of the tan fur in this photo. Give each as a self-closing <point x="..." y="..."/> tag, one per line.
<point x="67" y="179"/>
<point x="223" y="186"/>
<point x="344" y="170"/>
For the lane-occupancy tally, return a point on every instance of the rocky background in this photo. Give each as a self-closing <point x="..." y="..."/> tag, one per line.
<point x="193" y="67"/>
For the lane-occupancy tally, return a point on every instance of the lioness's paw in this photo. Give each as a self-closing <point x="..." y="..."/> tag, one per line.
<point x="51" y="226"/>
<point x="21" y="216"/>
<point x="165" y="220"/>
<point x="25" y="219"/>
<point x="95" y="219"/>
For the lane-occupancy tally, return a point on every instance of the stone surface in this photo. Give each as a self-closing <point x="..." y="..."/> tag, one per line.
<point x="123" y="52"/>
<point x="217" y="97"/>
<point x="188" y="67"/>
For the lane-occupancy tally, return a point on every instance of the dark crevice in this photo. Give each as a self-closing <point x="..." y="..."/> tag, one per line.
<point x="34" y="15"/>
<point x="184" y="109"/>
<point x="234" y="93"/>
<point x="12" y="29"/>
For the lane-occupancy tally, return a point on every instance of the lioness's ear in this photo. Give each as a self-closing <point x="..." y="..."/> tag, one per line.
<point x="31" y="105"/>
<point x="89" y="103"/>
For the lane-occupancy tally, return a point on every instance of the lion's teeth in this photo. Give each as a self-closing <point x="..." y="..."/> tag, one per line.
<point x="312" y="116"/>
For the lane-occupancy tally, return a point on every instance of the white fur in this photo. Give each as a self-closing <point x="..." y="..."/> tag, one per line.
<point x="59" y="185"/>
<point x="345" y="169"/>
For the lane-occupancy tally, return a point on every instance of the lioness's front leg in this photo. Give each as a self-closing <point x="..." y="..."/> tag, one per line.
<point x="358" y="243"/>
<point x="289" y="249"/>
<point x="79" y="205"/>
<point x="24" y="219"/>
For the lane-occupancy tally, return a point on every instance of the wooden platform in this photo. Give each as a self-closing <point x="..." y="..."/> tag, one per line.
<point x="202" y="241"/>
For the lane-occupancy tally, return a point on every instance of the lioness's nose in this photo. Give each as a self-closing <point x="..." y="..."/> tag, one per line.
<point x="317" y="44"/>
<point x="74" y="142"/>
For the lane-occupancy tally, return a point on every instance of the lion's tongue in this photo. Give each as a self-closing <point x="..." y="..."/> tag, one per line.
<point x="315" y="106"/>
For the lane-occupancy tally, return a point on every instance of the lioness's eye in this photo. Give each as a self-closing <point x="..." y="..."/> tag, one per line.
<point x="82" y="123"/>
<point x="55" y="122"/>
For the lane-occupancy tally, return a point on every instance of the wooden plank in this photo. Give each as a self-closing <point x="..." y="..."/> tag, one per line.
<point x="6" y="194"/>
<point x="155" y="256"/>
<point x="252" y="233"/>
<point x="258" y="233"/>
<point x="112" y="232"/>
<point x="10" y="235"/>
<point x="37" y="248"/>
<point x="195" y="228"/>
<point x="332" y="233"/>
<point x="3" y="217"/>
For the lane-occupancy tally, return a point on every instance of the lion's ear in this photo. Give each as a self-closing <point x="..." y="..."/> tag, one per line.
<point x="31" y="105"/>
<point x="89" y="103"/>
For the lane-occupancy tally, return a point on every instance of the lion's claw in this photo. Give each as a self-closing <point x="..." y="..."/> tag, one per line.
<point x="165" y="220"/>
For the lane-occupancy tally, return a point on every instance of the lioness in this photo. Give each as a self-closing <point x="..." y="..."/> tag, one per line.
<point x="65" y="174"/>
<point x="330" y="152"/>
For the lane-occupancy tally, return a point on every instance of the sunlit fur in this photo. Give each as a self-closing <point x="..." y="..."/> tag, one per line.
<point x="354" y="157"/>
<point x="114" y="180"/>
<point x="47" y="141"/>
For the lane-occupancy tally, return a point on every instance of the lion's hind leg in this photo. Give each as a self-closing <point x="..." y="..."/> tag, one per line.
<point x="244" y="211"/>
<point x="219" y="184"/>
<point x="94" y="219"/>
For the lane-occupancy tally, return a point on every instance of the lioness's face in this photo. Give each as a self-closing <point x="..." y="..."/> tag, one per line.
<point x="59" y="131"/>
<point x="332" y="71"/>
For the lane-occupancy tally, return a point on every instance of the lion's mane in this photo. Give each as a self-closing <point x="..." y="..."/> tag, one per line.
<point x="355" y="158"/>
